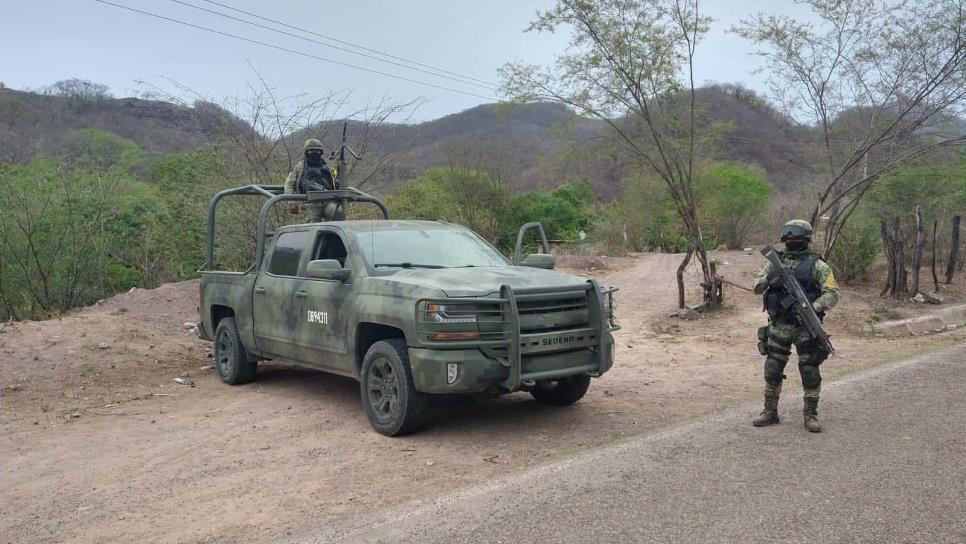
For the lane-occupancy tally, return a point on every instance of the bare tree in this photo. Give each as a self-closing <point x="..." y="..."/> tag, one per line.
<point x="879" y="79"/>
<point x="631" y="64"/>
<point x="80" y="90"/>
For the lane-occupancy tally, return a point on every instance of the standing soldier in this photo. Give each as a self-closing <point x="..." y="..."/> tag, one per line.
<point x="313" y="174"/>
<point x="783" y="330"/>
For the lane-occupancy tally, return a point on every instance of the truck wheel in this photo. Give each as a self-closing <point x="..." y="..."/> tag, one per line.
<point x="231" y="358"/>
<point x="390" y="399"/>
<point x="562" y="392"/>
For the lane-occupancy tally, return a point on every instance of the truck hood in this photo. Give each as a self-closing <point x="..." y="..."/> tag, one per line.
<point x="482" y="281"/>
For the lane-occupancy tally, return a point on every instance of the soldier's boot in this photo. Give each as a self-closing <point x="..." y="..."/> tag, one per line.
<point x="769" y="416"/>
<point x="810" y="412"/>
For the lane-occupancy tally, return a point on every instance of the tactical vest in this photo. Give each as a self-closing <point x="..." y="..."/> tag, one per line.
<point x="778" y="301"/>
<point x="315" y="178"/>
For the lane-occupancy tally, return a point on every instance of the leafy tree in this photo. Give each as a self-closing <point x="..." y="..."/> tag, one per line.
<point x="630" y="64"/>
<point x="642" y="219"/>
<point x="732" y="197"/>
<point x="859" y="245"/>
<point x="467" y="197"/>
<point x="564" y="212"/>
<point x="64" y="235"/>
<point x="91" y="147"/>
<point x="474" y="199"/>
<point x="879" y="79"/>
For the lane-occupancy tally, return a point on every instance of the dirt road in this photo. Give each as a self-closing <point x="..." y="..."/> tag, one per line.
<point x="894" y="470"/>
<point x="99" y="444"/>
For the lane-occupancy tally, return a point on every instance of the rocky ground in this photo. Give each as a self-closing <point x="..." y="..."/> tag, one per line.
<point x="99" y="443"/>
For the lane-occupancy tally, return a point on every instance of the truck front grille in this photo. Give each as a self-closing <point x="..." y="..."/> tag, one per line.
<point x="547" y="314"/>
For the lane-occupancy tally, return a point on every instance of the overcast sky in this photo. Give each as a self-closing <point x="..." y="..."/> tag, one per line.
<point x="47" y="40"/>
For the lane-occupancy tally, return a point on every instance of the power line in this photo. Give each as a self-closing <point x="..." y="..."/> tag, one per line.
<point x="350" y="44"/>
<point x="346" y="50"/>
<point x="293" y="51"/>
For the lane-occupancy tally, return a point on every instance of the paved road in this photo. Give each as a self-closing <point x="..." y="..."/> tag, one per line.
<point x="891" y="467"/>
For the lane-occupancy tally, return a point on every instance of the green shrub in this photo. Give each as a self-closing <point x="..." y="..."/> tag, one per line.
<point x="859" y="244"/>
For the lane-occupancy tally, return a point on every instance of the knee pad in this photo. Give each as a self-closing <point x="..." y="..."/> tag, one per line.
<point x="773" y="371"/>
<point x="811" y="376"/>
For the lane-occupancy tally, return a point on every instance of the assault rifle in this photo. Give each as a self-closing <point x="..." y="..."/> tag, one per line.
<point x="798" y="302"/>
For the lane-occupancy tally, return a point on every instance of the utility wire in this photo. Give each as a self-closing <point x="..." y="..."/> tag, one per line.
<point x="346" y="50"/>
<point x="350" y="44"/>
<point x="294" y="51"/>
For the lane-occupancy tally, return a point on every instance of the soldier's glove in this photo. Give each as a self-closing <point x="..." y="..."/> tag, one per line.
<point x="293" y="208"/>
<point x="774" y="279"/>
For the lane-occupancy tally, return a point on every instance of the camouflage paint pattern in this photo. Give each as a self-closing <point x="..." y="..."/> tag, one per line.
<point x="328" y="324"/>
<point x="314" y="212"/>
<point x="823" y="275"/>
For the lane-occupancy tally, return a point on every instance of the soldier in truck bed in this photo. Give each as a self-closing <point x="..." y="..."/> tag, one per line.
<point x="313" y="174"/>
<point x="775" y="341"/>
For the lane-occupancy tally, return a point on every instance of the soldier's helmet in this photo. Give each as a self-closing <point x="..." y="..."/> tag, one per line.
<point x="312" y="144"/>
<point x="798" y="229"/>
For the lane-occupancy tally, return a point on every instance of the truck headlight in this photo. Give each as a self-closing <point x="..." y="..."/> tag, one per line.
<point x="451" y="313"/>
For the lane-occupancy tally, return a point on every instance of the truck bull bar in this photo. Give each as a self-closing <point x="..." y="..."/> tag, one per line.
<point x="507" y="343"/>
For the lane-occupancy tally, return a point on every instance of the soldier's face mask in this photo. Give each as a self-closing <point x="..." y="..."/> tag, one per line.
<point x="313" y="158"/>
<point x="796" y="245"/>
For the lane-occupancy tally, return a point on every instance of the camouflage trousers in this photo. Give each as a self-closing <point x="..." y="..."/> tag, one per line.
<point x="776" y="341"/>
<point x="318" y="212"/>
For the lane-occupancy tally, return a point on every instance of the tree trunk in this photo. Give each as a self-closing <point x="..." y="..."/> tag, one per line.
<point x="917" y="252"/>
<point x="681" y="269"/>
<point x="711" y="284"/>
<point x="893" y="245"/>
<point x="935" y="255"/>
<point x="887" y="248"/>
<point x="953" y="251"/>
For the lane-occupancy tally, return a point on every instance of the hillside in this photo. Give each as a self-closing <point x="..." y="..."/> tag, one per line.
<point x="31" y="122"/>
<point x="534" y="145"/>
<point x="542" y="145"/>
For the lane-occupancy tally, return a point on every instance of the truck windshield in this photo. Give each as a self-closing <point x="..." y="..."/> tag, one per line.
<point x="427" y="248"/>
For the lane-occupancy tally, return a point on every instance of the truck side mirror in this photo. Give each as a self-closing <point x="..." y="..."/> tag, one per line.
<point x="327" y="269"/>
<point x="539" y="260"/>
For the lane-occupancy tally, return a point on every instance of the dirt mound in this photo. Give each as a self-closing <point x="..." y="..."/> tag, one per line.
<point x="125" y="348"/>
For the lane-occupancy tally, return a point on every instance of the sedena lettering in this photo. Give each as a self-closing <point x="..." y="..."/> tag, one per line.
<point x="322" y="318"/>
<point x="559" y="340"/>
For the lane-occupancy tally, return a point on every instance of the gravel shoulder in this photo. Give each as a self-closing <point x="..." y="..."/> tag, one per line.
<point x="891" y="471"/>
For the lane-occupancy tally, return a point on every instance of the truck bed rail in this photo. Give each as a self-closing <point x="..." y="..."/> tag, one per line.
<point x="276" y="194"/>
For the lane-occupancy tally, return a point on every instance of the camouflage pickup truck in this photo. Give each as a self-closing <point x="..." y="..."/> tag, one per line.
<point x="408" y="308"/>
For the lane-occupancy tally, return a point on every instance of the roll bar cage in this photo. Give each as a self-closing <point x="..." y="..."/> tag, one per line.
<point x="276" y="194"/>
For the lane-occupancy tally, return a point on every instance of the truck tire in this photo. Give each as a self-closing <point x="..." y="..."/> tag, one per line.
<point x="562" y="392"/>
<point x="390" y="399"/>
<point x="231" y="358"/>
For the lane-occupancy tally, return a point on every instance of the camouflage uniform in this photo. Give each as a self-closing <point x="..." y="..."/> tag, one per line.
<point x="307" y="178"/>
<point x="783" y="331"/>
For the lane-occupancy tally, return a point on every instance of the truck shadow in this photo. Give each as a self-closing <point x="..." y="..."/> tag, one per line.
<point x="450" y="417"/>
